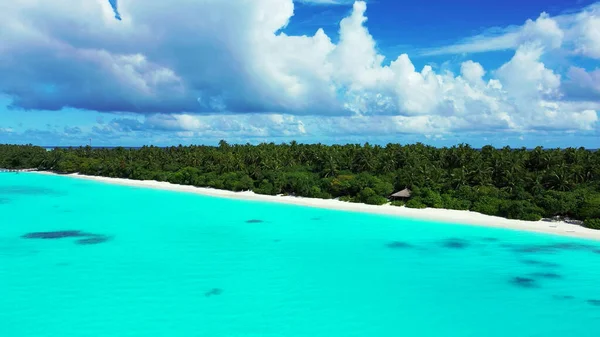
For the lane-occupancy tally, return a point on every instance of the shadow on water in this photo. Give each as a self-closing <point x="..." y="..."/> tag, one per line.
<point x="254" y="221"/>
<point x="213" y="292"/>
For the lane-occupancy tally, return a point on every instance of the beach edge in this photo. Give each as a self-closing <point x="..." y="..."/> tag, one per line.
<point x="427" y="214"/>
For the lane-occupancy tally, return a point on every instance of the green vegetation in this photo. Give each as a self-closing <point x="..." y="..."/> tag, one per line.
<point x="592" y="223"/>
<point x="512" y="183"/>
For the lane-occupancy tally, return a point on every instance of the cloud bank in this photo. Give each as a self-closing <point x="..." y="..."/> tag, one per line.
<point x="225" y="66"/>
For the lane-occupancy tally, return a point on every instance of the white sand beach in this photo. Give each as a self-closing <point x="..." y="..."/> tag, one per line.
<point x="433" y="214"/>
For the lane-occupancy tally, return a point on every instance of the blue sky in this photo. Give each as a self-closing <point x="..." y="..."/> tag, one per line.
<point x="519" y="73"/>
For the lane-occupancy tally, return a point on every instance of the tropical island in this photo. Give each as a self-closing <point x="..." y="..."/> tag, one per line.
<point x="524" y="184"/>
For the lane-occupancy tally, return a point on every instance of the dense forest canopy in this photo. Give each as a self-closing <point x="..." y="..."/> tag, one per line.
<point x="513" y="183"/>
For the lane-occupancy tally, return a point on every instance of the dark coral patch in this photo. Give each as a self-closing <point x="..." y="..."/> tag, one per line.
<point x="550" y="248"/>
<point x="85" y="238"/>
<point x="55" y="235"/>
<point x="399" y="245"/>
<point x="571" y="246"/>
<point x="4" y="201"/>
<point x="254" y="221"/>
<point x="540" y="263"/>
<point x="533" y="249"/>
<point x="490" y="239"/>
<point x="213" y="292"/>
<point x="594" y="302"/>
<point x="547" y="275"/>
<point x="524" y="282"/>
<point x="455" y="243"/>
<point x="94" y="240"/>
<point x="563" y="297"/>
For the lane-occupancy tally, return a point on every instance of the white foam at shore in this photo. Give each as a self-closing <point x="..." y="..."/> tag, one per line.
<point x="434" y="214"/>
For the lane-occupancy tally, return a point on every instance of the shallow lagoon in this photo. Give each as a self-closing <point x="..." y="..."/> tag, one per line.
<point x="160" y="263"/>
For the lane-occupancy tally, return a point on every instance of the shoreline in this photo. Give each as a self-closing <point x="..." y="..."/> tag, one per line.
<point x="432" y="214"/>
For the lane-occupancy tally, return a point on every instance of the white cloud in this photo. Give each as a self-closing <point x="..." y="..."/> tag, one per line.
<point x="577" y="33"/>
<point x="526" y="77"/>
<point x="178" y="61"/>
<point x="176" y="122"/>
<point x="587" y="32"/>
<point x="473" y="72"/>
<point x="544" y="31"/>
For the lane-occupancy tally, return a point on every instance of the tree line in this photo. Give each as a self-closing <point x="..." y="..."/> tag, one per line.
<point x="513" y="183"/>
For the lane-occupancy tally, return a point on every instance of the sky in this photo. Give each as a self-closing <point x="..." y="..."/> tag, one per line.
<point x="156" y="72"/>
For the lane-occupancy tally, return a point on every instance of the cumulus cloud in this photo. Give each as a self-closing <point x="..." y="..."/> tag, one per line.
<point x="472" y="72"/>
<point x="526" y="77"/>
<point x="216" y="66"/>
<point x="587" y="33"/>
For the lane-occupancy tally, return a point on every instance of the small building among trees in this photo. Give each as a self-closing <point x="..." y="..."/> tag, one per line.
<point x="401" y="195"/>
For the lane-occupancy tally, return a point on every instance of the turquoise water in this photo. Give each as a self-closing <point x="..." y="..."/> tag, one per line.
<point x="176" y="264"/>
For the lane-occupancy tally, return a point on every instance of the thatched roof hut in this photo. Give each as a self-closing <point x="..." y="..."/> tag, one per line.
<point x="404" y="194"/>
